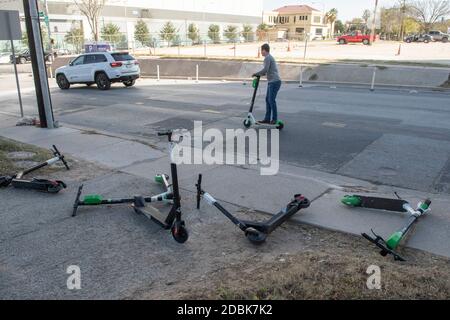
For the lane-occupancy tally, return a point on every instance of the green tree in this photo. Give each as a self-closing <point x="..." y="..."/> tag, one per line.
<point x="262" y="31"/>
<point x="142" y="33"/>
<point x="168" y="32"/>
<point x="75" y="37"/>
<point x="330" y="17"/>
<point x="247" y="32"/>
<point x="214" y="33"/>
<point x="231" y="33"/>
<point x="339" y="27"/>
<point x="111" y="32"/>
<point x="193" y="33"/>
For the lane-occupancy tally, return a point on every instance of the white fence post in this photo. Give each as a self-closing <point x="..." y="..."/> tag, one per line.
<point x="196" y="73"/>
<point x="301" y="77"/>
<point x="157" y="72"/>
<point x="372" y="87"/>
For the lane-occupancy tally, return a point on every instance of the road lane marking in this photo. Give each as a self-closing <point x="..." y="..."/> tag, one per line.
<point x="334" y="124"/>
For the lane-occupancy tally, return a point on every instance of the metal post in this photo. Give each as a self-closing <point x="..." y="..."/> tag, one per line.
<point x="372" y="35"/>
<point x="372" y="87"/>
<point x="157" y="72"/>
<point x="306" y="45"/>
<point x="15" y="68"/>
<point x="204" y="48"/>
<point x="38" y="64"/>
<point x="301" y="77"/>
<point x="196" y="74"/>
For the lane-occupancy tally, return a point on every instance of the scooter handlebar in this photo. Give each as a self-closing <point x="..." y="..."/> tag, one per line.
<point x="61" y="157"/>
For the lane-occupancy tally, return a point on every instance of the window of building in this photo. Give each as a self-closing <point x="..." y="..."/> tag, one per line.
<point x="319" y="31"/>
<point x="295" y="19"/>
<point x="300" y="30"/>
<point x="317" y="19"/>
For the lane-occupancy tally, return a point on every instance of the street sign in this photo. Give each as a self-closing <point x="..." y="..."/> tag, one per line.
<point x="10" y="25"/>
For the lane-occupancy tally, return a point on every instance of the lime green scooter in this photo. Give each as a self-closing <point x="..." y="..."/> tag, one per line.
<point x="390" y="245"/>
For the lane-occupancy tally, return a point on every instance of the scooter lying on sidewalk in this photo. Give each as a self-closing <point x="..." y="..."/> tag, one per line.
<point x="256" y="232"/>
<point x="50" y="186"/>
<point x="170" y="221"/>
<point x="398" y="205"/>
<point x="250" y="120"/>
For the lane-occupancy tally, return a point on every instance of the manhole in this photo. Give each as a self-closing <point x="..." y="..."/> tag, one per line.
<point x="20" y="155"/>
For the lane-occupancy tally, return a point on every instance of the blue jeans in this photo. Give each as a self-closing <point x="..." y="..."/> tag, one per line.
<point x="271" y="103"/>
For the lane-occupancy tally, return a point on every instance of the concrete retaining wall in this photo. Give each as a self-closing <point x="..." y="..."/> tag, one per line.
<point x="328" y="73"/>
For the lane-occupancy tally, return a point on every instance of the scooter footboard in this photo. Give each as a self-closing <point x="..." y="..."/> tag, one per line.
<point x="299" y="202"/>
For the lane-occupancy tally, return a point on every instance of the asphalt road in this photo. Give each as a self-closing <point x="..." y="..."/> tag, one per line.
<point x="391" y="137"/>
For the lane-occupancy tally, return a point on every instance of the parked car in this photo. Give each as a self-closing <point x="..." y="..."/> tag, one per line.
<point x="101" y="68"/>
<point x="25" y="56"/>
<point x="439" y="36"/>
<point x="426" y="38"/>
<point x="354" y="37"/>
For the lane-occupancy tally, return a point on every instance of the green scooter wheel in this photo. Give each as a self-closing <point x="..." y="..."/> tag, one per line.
<point x="352" y="201"/>
<point x="280" y="125"/>
<point x="247" y="123"/>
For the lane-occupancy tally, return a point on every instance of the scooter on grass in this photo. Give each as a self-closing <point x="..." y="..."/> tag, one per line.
<point x="46" y="185"/>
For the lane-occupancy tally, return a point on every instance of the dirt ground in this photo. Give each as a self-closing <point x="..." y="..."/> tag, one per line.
<point x="332" y="265"/>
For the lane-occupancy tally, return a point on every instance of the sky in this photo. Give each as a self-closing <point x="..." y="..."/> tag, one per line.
<point x="347" y="9"/>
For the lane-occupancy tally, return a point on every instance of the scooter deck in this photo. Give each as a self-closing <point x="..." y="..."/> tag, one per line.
<point x="376" y="203"/>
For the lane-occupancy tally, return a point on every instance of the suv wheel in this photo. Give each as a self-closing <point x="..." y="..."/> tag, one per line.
<point x="342" y="41"/>
<point x="102" y="81"/>
<point x="62" y="82"/>
<point x="444" y="40"/>
<point x="365" y="41"/>
<point x="22" y="60"/>
<point x="129" y="83"/>
<point x="426" y="40"/>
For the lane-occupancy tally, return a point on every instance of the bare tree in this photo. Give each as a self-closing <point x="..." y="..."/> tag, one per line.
<point x="428" y="12"/>
<point x="91" y="9"/>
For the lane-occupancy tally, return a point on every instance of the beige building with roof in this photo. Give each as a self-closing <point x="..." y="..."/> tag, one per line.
<point x="295" y="21"/>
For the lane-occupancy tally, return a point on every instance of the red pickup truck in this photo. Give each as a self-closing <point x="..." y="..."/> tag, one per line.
<point x="354" y="37"/>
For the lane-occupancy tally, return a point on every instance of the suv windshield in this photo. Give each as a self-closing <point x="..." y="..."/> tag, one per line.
<point x="122" y="57"/>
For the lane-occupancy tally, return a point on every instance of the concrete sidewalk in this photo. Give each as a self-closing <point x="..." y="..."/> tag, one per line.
<point x="245" y="187"/>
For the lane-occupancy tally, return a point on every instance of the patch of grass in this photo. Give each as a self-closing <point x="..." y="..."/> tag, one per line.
<point x="8" y="167"/>
<point x="333" y="269"/>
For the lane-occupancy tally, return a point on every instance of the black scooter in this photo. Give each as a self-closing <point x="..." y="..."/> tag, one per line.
<point x="256" y="232"/>
<point x="170" y="221"/>
<point x="45" y="185"/>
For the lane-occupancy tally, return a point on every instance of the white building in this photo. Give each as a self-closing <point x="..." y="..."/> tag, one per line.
<point x="64" y="14"/>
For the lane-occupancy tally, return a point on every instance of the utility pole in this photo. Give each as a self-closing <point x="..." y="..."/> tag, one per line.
<point x="43" y="98"/>
<point x="403" y="14"/>
<point x="372" y="36"/>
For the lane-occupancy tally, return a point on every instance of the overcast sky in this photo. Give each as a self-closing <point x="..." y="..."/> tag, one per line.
<point x="347" y="9"/>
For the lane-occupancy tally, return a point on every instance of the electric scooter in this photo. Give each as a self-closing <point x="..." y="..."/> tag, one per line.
<point x="398" y="205"/>
<point x="250" y="120"/>
<point x="256" y="232"/>
<point x="45" y="185"/>
<point x="170" y="221"/>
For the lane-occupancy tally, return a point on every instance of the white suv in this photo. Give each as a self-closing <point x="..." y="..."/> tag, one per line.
<point x="102" y="68"/>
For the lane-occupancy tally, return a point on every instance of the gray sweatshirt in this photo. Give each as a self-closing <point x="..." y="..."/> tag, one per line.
<point x="270" y="69"/>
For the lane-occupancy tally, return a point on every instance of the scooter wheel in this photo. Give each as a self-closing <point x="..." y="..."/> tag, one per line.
<point x="247" y="123"/>
<point x="54" y="189"/>
<point x="179" y="232"/>
<point x="255" y="236"/>
<point x="280" y="126"/>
